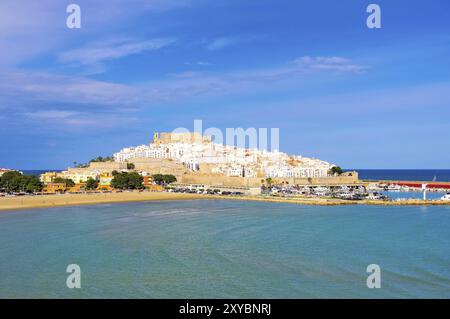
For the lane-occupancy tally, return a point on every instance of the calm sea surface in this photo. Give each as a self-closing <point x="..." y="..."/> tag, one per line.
<point x="229" y="249"/>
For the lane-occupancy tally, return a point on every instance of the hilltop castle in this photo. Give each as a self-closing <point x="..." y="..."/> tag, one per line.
<point x="188" y="138"/>
<point x="197" y="153"/>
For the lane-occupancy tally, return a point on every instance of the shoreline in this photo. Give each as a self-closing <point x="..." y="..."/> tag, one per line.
<point x="46" y="201"/>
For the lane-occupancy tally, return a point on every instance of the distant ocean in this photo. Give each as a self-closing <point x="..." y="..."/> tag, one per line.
<point x="442" y="175"/>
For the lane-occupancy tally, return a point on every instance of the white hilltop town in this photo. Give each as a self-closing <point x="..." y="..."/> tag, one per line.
<point x="193" y="159"/>
<point x="198" y="153"/>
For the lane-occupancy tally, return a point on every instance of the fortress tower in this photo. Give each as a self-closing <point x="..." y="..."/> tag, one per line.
<point x="156" y="139"/>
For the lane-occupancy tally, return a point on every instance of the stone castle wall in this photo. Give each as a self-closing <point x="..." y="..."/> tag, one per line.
<point x="216" y="179"/>
<point x="220" y="180"/>
<point x="344" y="179"/>
<point x="183" y="175"/>
<point x="159" y="166"/>
<point x="107" y="165"/>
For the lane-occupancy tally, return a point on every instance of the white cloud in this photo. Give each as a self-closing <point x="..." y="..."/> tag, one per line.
<point x="32" y="28"/>
<point x="67" y="97"/>
<point x="194" y="84"/>
<point x="223" y="42"/>
<point x="50" y="115"/>
<point x="198" y="63"/>
<point x="70" y="120"/>
<point x="39" y="86"/>
<point x="328" y="63"/>
<point x="99" y="52"/>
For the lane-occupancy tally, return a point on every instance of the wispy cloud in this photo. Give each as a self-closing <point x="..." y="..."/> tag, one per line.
<point x="33" y="28"/>
<point x="95" y="54"/>
<point x="70" y="120"/>
<point x="329" y="63"/>
<point x="40" y="86"/>
<point x="222" y="43"/>
<point x="198" y="63"/>
<point x="77" y="101"/>
<point x="50" y="115"/>
<point x="194" y="84"/>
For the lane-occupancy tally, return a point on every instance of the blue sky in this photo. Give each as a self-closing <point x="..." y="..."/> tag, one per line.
<point x="337" y="90"/>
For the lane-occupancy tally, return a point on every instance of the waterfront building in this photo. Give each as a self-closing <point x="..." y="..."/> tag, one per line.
<point x="105" y="180"/>
<point x="48" y="177"/>
<point x="54" y="187"/>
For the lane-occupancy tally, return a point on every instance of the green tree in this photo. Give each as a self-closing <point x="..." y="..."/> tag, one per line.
<point x="32" y="184"/>
<point x="125" y="180"/>
<point x="164" y="179"/>
<point x="135" y="181"/>
<point x="14" y="181"/>
<point x="269" y="181"/>
<point x="169" y="179"/>
<point x="102" y="159"/>
<point x="158" y="178"/>
<point x="69" y="182"/>
<point x="130" y="166"/>
<point x="336" y="170"/>
<point x="91" y="184"/>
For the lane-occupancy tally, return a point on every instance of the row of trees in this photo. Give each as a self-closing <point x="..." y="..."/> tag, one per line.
<point x="102" y="159"/>
<point x="14" y="182"/>
<point x="131" y="180"/>
<point x="94" y="160"/>
<point x="126" y="180"/>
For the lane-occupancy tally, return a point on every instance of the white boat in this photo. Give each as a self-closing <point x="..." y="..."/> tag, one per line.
<point x="375" y="196"/>
<point x="394" y="188"/>
<point x="446" y="197"/>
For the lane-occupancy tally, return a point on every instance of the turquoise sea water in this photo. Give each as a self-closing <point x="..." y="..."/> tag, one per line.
<point x="229" y="249"/>
<point x="413" y="195"/>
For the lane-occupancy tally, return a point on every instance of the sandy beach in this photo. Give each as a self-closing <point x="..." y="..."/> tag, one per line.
<point x="29" y="202"/>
